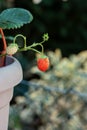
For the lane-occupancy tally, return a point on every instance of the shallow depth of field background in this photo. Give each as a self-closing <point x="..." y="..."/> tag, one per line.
<point x="57" y="99"/>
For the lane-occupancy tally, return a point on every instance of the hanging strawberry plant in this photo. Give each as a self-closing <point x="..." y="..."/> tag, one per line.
<point x="11" y="75"/>
<point x="14" y="18"/>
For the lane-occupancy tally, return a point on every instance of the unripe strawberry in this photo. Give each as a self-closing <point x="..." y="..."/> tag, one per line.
<point x="12" y="49"/>
<point x="43" y="63"/>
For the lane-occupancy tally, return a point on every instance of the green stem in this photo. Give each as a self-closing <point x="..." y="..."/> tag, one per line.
<point x="29" y="48"/>
<point x="37" y="44"/>
<point x="22" y="49"/>
<point x="36" y="50"/>
<point x="20" y="35"/>
<point x="42" y="48"/>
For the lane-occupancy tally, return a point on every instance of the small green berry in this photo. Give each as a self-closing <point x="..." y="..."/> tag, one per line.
<point x="12" y="49"/>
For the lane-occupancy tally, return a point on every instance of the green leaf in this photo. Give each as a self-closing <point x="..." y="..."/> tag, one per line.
<point x="14" y="18"/>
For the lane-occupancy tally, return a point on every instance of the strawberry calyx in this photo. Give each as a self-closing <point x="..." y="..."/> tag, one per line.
<point x="43" y="56"/>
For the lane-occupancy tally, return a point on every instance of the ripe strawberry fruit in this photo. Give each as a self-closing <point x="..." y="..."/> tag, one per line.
<point x="43" y="63"/>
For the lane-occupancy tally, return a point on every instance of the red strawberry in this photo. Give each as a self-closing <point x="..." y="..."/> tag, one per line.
<point x="43" y="63"/>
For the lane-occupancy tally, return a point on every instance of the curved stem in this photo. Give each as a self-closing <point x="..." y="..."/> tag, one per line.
<point x="29" y="48"/>
<point x="34" y="45"/>
<point x="42" y="48"/>
<point x="36" y="50"/>
<point x="20" y="35"/>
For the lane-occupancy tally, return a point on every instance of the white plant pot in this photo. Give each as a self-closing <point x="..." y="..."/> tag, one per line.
<point x="10" y="76"/>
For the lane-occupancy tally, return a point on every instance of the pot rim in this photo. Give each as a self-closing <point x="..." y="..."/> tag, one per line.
<point x="11" y="74"/>
<point x="9" y="61"/>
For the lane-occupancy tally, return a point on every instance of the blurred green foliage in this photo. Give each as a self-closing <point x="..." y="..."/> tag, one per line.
<point x="55" y="100"/>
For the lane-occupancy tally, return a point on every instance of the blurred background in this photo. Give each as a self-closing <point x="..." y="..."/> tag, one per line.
<point x="56" y="99"/>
